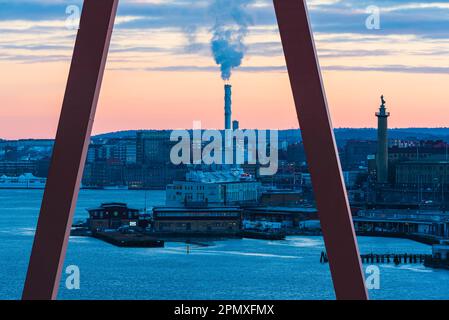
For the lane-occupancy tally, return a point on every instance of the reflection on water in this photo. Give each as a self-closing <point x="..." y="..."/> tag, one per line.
<point x="419" y="268"/>
<point x="299" y="242"/>
<point x="232" y="269"/>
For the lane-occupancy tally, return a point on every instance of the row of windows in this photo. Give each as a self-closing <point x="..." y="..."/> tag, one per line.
<point x="423" y="168"/>
<point x="245" y="195"/>
<point x="422" y="177"/>
<point x="102" y="214"/>
<point x="188" y="226"/>
<point x="183" y="224"/>
<point x="199" y="214"/>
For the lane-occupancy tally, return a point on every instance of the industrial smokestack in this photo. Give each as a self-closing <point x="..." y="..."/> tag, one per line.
<point x="235" y="125"/>
<point x="227" y="108"/>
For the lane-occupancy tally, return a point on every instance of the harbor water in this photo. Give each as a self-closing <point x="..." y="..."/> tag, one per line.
<point x="230" y="269"/>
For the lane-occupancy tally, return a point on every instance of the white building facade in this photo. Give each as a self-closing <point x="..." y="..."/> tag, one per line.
<point x="227" y="187"/>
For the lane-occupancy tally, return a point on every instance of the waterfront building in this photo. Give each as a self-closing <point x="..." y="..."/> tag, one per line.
<point x="112" y="216"/>
<point x="219" y="188"/>
<point x="410" y="222"/>
<point x="191" y="220"/>
<point x="274" y="217"/>
<point x="24" y="181"/>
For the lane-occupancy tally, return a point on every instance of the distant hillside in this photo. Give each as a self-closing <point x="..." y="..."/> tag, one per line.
<point x="116" y="134"/>
<point x="399" y="133"/>
<point x="341" y="134"/>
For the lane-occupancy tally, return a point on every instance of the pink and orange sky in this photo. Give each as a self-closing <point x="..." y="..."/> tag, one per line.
<point x="162" y="75"/>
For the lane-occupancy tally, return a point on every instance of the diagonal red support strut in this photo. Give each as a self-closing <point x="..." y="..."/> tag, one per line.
<point x="69" y="152"/>
<point x="320" y="147"/>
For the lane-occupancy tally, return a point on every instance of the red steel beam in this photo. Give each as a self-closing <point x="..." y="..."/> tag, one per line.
<point x="70" y="148"/>
<point x="320" y="147"/>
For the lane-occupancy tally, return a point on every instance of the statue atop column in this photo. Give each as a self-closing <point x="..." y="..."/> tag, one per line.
<point x="382" y="142"/>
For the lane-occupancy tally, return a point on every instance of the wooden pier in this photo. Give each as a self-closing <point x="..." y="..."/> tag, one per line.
<point x="395" y="258"/>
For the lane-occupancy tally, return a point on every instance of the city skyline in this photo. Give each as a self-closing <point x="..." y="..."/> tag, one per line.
<point x="155" y="54"/>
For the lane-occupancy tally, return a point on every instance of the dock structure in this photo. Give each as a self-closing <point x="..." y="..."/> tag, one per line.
<point x="129" y="240"/>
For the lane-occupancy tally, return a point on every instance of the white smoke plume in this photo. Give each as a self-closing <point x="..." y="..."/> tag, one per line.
<point x="228" y="33"/>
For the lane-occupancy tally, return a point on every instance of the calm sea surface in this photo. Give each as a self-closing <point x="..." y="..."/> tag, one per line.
<point x="232" y="269"/>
